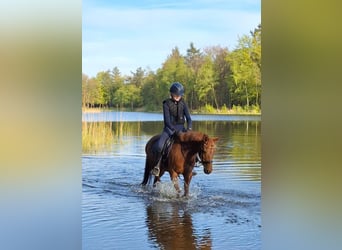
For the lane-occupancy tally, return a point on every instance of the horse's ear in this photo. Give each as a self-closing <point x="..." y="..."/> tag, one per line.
<point x="205" y="138"/>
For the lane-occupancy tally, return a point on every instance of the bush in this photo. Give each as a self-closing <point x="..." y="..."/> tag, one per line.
<point x="254" y="109"/>
<point x="208" y="109"/>
<point x="224" y="109"/>
<point x="238" y="109"/>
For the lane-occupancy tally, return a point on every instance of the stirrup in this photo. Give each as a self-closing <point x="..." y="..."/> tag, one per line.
<point x="156" y="170"/>
<point x="198" y="161"/>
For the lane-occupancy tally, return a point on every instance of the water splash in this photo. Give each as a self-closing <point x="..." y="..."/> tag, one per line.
<point x="165" y="191"/>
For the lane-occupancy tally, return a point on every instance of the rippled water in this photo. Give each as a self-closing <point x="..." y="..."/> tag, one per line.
<point x="222" y="212"/>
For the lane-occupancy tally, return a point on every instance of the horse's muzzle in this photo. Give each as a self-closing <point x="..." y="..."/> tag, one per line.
<point x="207" y="171"/>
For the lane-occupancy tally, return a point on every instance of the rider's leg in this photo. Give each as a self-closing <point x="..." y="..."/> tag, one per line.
<point x="158" y="151"/>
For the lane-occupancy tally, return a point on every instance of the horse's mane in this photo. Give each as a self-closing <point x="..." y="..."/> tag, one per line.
<point x="192" y="136"/>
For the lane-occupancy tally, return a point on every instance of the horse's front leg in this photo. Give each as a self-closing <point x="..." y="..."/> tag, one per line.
<point x="174" y="179"/>
<point x="187" y="179"/>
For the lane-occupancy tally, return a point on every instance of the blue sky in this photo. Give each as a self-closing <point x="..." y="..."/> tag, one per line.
<point x="141" y="33"/>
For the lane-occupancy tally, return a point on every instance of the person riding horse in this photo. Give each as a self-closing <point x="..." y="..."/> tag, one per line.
<point x="175" y="114"/>
<point x="181" y="158"/>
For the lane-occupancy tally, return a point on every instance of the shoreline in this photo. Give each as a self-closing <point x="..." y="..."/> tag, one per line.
<point x="195" y="112"/>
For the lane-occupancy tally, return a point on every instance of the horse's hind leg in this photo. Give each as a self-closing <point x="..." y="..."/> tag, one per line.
<point x="157" y="178"/>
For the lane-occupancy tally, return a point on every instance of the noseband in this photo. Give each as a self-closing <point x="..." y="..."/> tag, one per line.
<point x="200" y="157"/>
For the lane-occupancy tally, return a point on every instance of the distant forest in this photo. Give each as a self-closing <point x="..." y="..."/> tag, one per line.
<point x="215" y="79"/>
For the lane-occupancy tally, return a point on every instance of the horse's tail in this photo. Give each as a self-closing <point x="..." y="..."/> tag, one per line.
<point x="147" y="173"/>
<point x="149" y="160"/>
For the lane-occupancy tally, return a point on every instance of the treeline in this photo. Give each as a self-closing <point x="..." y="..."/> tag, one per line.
<point x="214" y="79"/>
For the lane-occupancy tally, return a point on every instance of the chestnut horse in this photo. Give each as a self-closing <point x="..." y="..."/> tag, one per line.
<point x="181" y="158"/>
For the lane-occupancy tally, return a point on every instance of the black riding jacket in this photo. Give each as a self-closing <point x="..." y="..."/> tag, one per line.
<point x="175" y="115"/>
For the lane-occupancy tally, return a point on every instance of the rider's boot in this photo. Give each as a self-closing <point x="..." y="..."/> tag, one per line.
<point x="158" y="155"/>
<point x="156" y="170"/>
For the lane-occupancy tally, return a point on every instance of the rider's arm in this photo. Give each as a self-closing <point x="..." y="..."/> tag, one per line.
<point x="188" y="117"/>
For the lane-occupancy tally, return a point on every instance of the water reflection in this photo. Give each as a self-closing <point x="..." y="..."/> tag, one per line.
<point x="238" y="148"/>
<point x="170" y="226"/>
<point x="101" y="134"/>
<point x="96" y="136"/>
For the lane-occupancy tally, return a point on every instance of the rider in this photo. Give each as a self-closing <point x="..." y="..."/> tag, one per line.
<point x="175" y="112"/>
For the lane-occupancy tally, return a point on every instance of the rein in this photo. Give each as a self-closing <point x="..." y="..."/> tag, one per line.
<point x="199" y="157"/>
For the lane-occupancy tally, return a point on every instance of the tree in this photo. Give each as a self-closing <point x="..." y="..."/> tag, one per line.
<point x="256" y="58"/>
<point x="194" y="61"/>
<point x="245" y="70"/>
<point x="174" y="69"/>
<point x="128" y="96"/>
<point x="149" y="92"/>
<point x="222" y="72"/>
<point x="138" y="77"/>
<point x="93" y="93"/>
<point x="117" y="79"/>
<point x="205" y="83"/>
<point x="256" y="46"/>
<point x="104" y="78"/>
<point x="85" y="90"/>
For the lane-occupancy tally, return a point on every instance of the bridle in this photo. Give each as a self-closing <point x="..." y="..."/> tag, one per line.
<point x="200" y="157"/>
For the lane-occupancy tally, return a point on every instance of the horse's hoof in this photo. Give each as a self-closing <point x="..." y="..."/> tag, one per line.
<point x="194" y="173"/>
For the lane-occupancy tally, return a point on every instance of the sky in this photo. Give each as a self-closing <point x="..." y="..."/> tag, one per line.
<point x="129" y="34"/>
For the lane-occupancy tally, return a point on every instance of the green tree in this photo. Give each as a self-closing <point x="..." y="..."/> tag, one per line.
<point x="194" y="60"/>
<point x="256" y="46"/>
<point x="206" y="82"/>
<point x="256" y="58"/>
<point x="93" y="92"/>
<point x="117" y="80"/>
<point x="137" y="78"/>
<point x="85" y="91"/>
<point x="149" y="92"/>
<point x="174" y="69"/>
<point x="128" y="95"/>
<point x="104" y="78"/>
<point x="245" y="72"/>
<point x="222" y="74"/>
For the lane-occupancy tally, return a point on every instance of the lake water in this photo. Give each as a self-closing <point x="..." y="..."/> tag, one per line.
<point x="222" y="212"/>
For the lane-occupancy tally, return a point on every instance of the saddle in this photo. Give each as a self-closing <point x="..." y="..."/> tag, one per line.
<point x="164" y="154"/>
<point x="167" y="147"/>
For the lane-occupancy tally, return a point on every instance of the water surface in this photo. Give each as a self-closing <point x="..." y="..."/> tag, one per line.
<point x="223" y="211"/>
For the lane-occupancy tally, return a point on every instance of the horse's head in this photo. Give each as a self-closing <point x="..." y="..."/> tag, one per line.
<point x="206" y="153"/>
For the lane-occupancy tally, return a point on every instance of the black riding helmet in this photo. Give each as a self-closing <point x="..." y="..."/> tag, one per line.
<point x="177" y="89"/>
